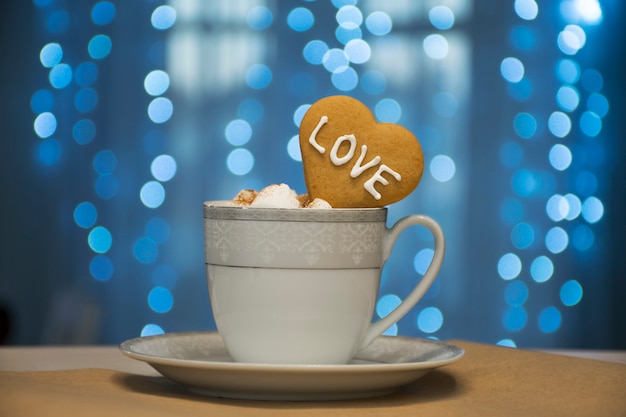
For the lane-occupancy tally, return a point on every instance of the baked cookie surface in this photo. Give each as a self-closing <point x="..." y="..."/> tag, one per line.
<point x="351" y="160"/>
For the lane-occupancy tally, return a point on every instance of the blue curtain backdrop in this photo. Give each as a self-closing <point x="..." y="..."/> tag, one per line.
<point x="120" y="118"/>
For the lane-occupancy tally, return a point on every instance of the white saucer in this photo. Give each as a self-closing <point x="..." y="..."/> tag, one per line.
<point x="200" y="361"/>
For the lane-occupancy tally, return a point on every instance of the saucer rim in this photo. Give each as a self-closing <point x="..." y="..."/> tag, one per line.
<point x="127" y="348"/>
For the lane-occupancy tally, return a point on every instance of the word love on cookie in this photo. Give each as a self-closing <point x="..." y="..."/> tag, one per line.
<point x="351" y="160"/>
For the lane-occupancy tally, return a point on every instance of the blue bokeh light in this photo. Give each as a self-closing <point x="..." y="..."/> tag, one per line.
<point x="42" y="101"/>
<point x="582" y="237"/>
<point x="422" y="260"/>
<point x="299" y="114"/>
<point x="151" y="329"/>
<point x="99" y="46"/>
<point x="515" y="318"/>
<point x="386" y="304"/>
<point x="259" y="18"/>
<point x="85" y="215"/>
<point x="592" y="209"/>
<point x="598" y="104"/>
<point x="84" y="131"/>
<point x="152" y="194"/>
<point x="349" y="16"/>
<point x="258" y="76"/>
<point x="156" y="82"/>
<point x="145" y="250"/>
<point x="49" y="152"/>
<point x="568" y="71"/>
<point x="101" y="268"/>
<point x="516" y="293"/>
<point x="340" y="3"/>
<point x="512" y="69"/>
<point x="430" y="320"/>
<point x="58" y="21"/>
<point x="335" y="60"/>
<point x="238" y="132"/>
<point x="378" y="23"/>
<point x="160" y="110"/>
<point x="240" y="161"/>
<point x="345" y="35"/>
<point x="442" y="168"/>
<point x="105" y="162"/>
<point x="586" y="183"/>
<point x="163" y="17"/>
<point x="300" y="19"/>
<point x="100" y="239"/>
<point x="549" y="319"/>
<point x="526" y="9"/>
<point x="510" y="343"/>
<point x="571" y="293"/>
<point x="86" y="74"/>
<point x="86" y="100"/>
<point x="163" y="168"/>
<point x="592" y="80"/>
<point x="590" y="124"/>
<point x="158" y="229"/>
<point x="107" y="186"/>
<point x="441" y="17"/>
<point x="559" y="124"/>
<point x="557" y="207"/>
<point x="560" y="157"/>
<point x="293" y="148"/>
<point x="509" y="266"/>
<point x="314" y="51"/>
<point x="525" y="125"/>
<point x="358" y="51"/>
<point x="103" y="13"/>
<point x="522" y="235"/>
<point x="160" y="300"/>
<point x="436" y="46"/>
<point x="541" y="269"/>
<point x="51" y="55"/>
<point x="557" y="240"/>
<point x="345" y="80"/>
<point x="388" y="110"/>
<point x="60" y="76"/>
<point x="568" y="98"/>
<point x="45" y="125"/>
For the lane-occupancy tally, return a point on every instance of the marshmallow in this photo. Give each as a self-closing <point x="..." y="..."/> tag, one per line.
<point x="276" y="196"/>
<point x="245" y="197"/>
<point x="319" y="203"/>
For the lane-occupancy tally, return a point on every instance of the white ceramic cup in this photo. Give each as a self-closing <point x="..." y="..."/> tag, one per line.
<point x="299" y="286"/>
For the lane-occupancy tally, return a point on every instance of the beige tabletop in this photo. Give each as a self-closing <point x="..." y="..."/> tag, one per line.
<point x="488" y="380"/>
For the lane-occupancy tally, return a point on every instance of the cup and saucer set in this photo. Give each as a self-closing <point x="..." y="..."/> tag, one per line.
<point x="293" y="294"/>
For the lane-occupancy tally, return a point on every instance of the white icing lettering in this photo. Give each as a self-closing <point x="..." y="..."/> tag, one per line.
<point x="358" y="169"/>
<point x="377" y="177"/>
<point x="348" y="156"/>
<point x="313" y="137"/>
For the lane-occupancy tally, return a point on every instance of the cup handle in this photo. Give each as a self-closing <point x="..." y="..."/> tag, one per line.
<point x="377" y="328"/>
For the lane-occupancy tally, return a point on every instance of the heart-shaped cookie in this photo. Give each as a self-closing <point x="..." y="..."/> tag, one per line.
<point x="351" y="160"/>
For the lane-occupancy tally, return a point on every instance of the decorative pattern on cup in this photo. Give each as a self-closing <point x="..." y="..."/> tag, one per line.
<point x="293" y="238"/>
<point x="293" y="244"/>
